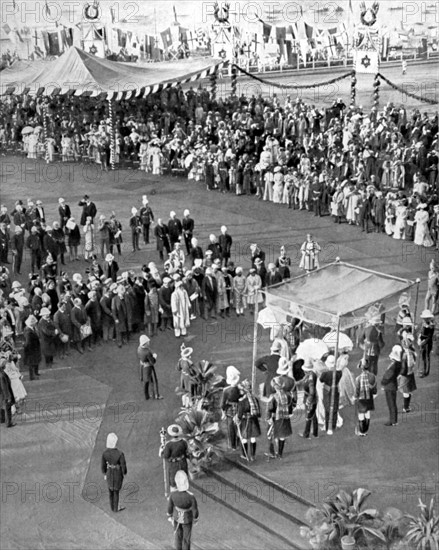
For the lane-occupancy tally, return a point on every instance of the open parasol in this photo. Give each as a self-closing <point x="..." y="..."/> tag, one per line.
<point x="27" y="130"/>
<point x="267" y="318"/>
<point x="344" y="342"/>
<point x="312" y="349"/>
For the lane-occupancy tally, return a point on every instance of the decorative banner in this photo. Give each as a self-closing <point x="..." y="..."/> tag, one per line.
<point x="408" y="94"/>
<point x="366" y="62"/>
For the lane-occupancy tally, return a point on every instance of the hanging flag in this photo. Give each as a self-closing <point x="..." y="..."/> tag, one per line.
<point x="54" y="46"/>
<point x="292" y="30"/>
<point x="266" y="29"/>
<point x="366" y="62"/>
<point x="385" y="47"/>
<point x="17" y="32"/>
<point x="45" y="36"/>
<point x="309" y="31"/>
<point x="166" y="38"/>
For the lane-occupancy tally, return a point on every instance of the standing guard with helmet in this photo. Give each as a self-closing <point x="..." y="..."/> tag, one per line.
<point x="175" y="452"/>
<point x="182" y="511"/>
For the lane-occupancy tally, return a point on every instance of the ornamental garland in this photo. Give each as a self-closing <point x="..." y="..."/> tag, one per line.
<point x="408" y="94"/>
<point x="291" y="86"/>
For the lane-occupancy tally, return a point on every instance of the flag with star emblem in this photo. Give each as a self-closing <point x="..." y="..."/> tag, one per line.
<point x="366" y="62"/>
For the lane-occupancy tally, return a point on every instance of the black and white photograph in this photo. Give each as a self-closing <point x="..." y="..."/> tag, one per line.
<point x="219" y="275"/>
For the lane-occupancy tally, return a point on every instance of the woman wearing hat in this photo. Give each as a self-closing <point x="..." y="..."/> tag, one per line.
<point x="365" y="391"/>
<point x="73" y="238"/>
<point x="175" y="452"/>
<point x="253" y="284"/>
<point x="279" y="408"/>
<point x="422" y="231"/>
<point x="389" y="384"/>
<point x="249" y="412"/>
<point x="48" y="336"/>
<point x="151" y="306"/>
<point x="180" y="306"/>
<point x="425" y="341"/>
<point x="229" y="404"/>
<point x="239" y="286"/>
<point x="114" y="468"/>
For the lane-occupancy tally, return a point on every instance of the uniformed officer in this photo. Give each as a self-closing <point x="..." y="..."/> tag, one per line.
<point x="114" y="469"/>
<point x="182" y="511"/>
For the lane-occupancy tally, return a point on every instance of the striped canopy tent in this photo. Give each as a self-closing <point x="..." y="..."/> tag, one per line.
<point x="80" y="73"/>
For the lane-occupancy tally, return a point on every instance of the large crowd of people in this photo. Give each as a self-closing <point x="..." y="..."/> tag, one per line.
<point x="376" y="169"/>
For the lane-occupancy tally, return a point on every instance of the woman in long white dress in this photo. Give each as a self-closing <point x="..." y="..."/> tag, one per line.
<point x="401" y="221"/>
<point x="89" y="245"/>
<point x="389" y="224"/>
<point x="278" y="186"/>
<point x="254" y="284"/>
<point x="16" y="377"/>
<point x="422" y="233"/>
<point x="352" y="199"/>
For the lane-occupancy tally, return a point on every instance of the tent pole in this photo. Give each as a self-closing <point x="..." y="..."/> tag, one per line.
<point x="112" y="137"/>
<point x="255" y="342"/>
<point x="418" y="281"/>
<point x="46" y="142"/>
<point x="334" y="377"/>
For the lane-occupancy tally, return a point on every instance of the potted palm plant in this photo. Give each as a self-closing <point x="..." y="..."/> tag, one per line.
<point x="423" y="532"/>
<point x="355" y="524"/>
<point x="205" y="440"/>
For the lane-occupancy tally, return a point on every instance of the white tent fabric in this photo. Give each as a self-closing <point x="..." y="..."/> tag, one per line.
<point x="338" y="290"/>
<point x="82" y="72"/>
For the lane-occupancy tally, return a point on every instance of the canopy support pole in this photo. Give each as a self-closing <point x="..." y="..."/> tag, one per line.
<point x="255" y="342"/>
<point x="46" y="142"/>
<point x="112" y="137"/>
<point x="334" y="377"/>
<point x="213" y="84"/>
<point x="418" y="281"/>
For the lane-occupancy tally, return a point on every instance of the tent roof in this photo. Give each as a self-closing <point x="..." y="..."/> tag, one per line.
<point x="83" y="72"/>
<point x="337" y="290"/>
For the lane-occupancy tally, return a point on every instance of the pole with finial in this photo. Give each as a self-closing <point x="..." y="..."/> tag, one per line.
<point x="45" y="129"/>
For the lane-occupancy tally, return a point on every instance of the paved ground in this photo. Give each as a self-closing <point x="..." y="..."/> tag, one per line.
<point x="55" y="449"/>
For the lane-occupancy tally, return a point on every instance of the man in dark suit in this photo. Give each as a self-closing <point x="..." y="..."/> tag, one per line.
<point x="146" y="217"/>
<point x="32" y="347"/>
<point x="4" y="243"/>
<point x="88" y="209"/>
<point x="175" y="229"/>
<point x="389" y="384"/>
<point x="161" y="233"/>
<point x="6" y="396"/>
<point x="188" y="230"/>
<point x="39" y="212"/>
<point x="119" y="309"/>
<point x="33" y="242"/>
<point x="269" y="364"/>
<point x="273" y="277"/>
<point x="17" y="246"/>
<point x="209" y="290"/>
<point x="225" y="241"/>
<point x="64" y="213"/>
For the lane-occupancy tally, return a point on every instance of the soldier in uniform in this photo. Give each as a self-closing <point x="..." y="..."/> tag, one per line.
<point x="365" y="391"/>
<point x="114" y="468"/>
<point x="182" y="511"/>
<point x="249" y="412"/>
<point x="373" y="343"/>
<point x="147" y="370"/>
<point x="310" y="398"/>
<point x="175" y="452"/>
<point x="279" y="408"/>
<point x="229" y="404"/>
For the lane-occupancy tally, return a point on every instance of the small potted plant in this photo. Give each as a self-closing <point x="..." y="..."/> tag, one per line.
<point x="423" y="533"/>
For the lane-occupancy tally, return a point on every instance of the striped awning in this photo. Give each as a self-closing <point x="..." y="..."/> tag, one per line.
<point x="81" y="74"/>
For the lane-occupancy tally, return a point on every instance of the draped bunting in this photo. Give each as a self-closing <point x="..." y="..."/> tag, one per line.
<point x="292" y="86"/>
<point x="408" y="94"/>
